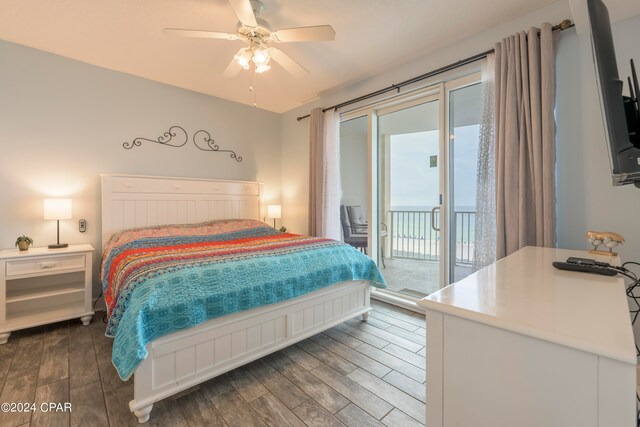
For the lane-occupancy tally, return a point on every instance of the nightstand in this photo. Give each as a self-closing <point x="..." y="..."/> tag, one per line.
<point x="43" y="286"/>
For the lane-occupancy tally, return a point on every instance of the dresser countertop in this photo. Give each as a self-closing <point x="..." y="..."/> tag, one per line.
<point x="524" y="293"/>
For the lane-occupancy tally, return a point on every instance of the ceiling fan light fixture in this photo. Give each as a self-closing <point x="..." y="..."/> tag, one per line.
<point x="243" y="58"/>
<point x="262" y="68"/>
<point x="260" y="57"/>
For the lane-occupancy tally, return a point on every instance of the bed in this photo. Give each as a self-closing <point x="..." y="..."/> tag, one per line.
<point x="173" y="362"/>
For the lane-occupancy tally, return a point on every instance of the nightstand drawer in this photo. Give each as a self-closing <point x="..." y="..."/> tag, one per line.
<point x="43" y="265"/>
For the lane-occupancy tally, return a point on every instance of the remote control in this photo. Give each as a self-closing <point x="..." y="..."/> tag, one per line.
<point x="585" y="268"/>
<point x="587" y="261"/>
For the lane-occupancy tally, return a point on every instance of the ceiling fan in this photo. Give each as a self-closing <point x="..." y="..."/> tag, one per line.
<point x="259" y="36"/>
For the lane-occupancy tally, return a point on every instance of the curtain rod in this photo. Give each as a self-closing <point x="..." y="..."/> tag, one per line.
<point x="566" y="24"/>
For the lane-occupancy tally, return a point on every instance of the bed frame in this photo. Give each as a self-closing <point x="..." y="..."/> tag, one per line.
<point x="186" y="358"/>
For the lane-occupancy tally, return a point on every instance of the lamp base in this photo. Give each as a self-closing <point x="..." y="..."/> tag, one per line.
<point x="58" y="246"/>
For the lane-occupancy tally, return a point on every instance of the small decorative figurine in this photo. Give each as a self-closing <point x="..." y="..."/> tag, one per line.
<point x="607" y="238"/>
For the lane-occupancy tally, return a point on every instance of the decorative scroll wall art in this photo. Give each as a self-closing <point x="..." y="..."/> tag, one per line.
<point x="176" y="136"/>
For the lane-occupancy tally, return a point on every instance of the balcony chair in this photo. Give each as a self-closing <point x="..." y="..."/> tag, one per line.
<point x="355" y="228"/>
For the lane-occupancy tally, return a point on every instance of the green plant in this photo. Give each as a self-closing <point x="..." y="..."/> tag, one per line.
<point x="24" y="238"/>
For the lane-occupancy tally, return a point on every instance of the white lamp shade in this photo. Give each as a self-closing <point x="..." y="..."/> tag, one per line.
<point x="274" y="211"/>
<point x="57" y="208"/>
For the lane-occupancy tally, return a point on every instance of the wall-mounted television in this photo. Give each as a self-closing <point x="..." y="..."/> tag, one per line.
<point x="620" y="113"/>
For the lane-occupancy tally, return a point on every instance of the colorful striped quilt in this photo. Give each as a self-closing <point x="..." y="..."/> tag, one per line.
<point x="159" y="280"/>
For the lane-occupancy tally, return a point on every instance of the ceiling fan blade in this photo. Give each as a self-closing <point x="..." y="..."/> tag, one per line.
<point x="287" y="63"/>
<point x="233" y="68"/>
<point x="305" y="34"/>
<point x="243" y="9"/>
<point x="200" y="34"/>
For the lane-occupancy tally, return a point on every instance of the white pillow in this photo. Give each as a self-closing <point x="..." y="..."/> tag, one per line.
<point x="357" y="219"/>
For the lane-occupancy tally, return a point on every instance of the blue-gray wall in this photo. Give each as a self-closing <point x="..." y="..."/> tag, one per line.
<point x="62" y="122"/>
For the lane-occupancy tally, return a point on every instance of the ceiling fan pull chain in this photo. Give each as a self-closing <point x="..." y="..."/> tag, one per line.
<point x="251" y="83"/>
<point x="253" y="79"/>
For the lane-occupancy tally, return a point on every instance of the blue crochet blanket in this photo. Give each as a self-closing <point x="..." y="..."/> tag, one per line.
<point x="158" y="281"/>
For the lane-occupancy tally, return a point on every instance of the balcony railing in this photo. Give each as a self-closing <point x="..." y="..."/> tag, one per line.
<point x="411" y="235"/>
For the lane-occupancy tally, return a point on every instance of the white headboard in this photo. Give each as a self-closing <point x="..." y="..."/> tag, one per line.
<point x="130" y="201"/>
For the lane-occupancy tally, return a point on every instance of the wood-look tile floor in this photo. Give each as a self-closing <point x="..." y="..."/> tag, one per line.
<point x="356" y="374"/>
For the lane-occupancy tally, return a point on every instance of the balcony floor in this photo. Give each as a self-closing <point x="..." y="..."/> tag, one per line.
<point x="416" y="278"/>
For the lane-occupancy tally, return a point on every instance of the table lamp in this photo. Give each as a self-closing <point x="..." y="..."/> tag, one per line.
<point x="57" y="209"/>
<point x="274" y="211"/>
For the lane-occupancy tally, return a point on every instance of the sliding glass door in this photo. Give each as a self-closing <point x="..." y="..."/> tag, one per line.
<point x="408" y="172"/>
<point x="465" y="117"/>
<point x="409" y="197"/>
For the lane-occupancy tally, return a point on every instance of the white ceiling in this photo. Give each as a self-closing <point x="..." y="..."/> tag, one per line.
<point x="371" y="36"/>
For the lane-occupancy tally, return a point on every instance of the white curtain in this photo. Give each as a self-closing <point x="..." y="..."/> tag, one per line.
<point x="332" y="188"/>
<point x="525" y="85"/>
<point x="485" y="234"/>
<point x="324" y="179"/>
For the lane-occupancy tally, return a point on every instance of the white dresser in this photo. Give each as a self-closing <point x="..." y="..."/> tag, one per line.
<point x="520" y="343"/>
<point x="44" y="285"/>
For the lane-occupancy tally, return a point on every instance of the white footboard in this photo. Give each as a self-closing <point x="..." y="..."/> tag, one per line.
<point x="186" y="358"/>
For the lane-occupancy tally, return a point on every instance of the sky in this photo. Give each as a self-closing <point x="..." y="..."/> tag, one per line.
<point x="415" y="184"/>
